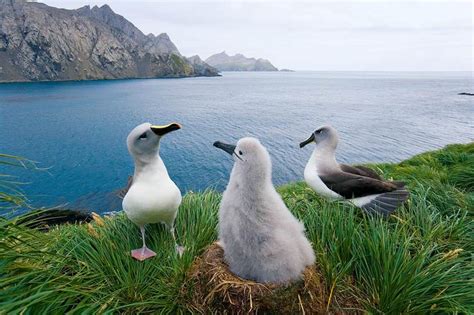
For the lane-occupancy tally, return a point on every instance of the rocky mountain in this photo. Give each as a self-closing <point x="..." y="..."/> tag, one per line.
<point x="43" y="43"/>
<point x="239" y="62"/>
<point x="200" y="66"/>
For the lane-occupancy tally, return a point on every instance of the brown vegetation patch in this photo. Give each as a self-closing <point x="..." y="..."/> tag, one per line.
<point x="211" y="287"/>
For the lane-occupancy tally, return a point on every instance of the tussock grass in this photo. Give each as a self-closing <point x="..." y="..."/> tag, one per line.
<point x="420" y="260"/>
<point x="11" y="195"/>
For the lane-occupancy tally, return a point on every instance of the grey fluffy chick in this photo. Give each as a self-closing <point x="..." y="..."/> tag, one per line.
<point x="262" y="240"/>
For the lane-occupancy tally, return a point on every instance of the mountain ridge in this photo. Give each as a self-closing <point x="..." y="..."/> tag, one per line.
<point x="238" y="62"/>
<point x="43" y="43"/>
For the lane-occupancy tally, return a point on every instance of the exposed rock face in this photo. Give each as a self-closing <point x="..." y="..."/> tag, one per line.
<point x="201" y="67"/>
<point x="38" y="42"/>
<point x="239" y="62"/>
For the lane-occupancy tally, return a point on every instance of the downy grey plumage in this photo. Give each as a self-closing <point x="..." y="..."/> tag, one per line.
<point x="262" y="240"/>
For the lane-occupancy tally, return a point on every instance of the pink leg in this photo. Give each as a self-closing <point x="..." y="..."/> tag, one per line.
<point x="143" y="253"/>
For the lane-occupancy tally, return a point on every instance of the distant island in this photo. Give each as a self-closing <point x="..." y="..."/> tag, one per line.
<point x="43" y="43"/>
<point x="238" y="62"/>
<point x="286" y="70"/>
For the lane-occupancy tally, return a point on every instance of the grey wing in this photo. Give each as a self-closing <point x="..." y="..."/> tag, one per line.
<point x="360" y="170"/>
<point x="122" y="192"/>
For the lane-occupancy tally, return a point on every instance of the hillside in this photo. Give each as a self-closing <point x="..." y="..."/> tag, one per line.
<point x="43" y="43"/>
<point x="417" y="261"/>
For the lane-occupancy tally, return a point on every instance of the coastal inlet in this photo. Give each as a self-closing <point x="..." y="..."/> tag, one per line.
<point x="78" y="129"/>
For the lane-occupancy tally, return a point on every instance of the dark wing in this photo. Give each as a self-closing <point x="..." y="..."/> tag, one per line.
<point x="386" y="203"/>
<point x="398" y="183"/>
<point x="353" y="186"/>
<point x="367" y="172"/>
<point x="360" y="170"/>
<point x="122" y="192"/>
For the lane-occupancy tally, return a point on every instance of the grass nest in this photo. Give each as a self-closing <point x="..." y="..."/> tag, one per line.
<point x="211" y="287"/>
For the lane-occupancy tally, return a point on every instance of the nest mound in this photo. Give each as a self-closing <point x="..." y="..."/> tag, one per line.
<point x="211" y="287"/>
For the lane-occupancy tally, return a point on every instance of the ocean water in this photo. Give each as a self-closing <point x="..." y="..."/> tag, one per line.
<point x="78" y="129"/>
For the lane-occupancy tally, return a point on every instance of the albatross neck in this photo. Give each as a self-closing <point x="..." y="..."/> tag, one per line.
<point x="324" y="157"/>
<point x="151" y="165"/>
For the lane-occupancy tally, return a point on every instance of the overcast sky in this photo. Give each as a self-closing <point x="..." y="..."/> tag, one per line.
<point x="313" y="35"/>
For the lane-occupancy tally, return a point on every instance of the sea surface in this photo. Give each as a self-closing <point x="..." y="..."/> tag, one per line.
<point x="77" y="130"/>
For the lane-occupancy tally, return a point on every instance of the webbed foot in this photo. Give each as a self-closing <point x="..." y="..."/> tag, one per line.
<point x="142" y="253"/>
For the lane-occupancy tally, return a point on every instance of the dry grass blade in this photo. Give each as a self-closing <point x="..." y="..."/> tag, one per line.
<point x="214" y="289"/>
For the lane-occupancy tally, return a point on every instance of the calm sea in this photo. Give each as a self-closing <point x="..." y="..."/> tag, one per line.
<point x="78" y="129"/>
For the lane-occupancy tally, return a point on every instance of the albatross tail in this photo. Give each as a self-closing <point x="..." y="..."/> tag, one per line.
<point x="386" y="203"/>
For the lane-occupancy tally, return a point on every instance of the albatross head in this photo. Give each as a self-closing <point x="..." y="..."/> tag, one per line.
<point x="252" y="161"/>
<point x="324" y="137"/>
<point x="143" y="141"/>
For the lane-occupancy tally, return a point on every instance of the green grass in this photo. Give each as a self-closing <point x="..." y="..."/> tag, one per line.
<point x="11" y="196"/>
<point x="421" y="260"/>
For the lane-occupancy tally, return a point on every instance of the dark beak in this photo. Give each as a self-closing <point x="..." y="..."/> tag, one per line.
<point x="229" y="148"/>
<point x="162" y="130"/>
<point x="307" y="141"/>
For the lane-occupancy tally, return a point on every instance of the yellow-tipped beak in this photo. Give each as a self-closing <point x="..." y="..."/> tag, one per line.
<point x="162" y="130"/>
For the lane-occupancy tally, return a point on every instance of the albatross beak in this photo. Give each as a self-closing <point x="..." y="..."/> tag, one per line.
<point x="162" y="130"/>
<point x="307" y="141"/>
<point x="229" y="148"/>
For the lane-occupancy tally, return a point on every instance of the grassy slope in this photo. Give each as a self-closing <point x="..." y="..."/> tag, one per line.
<point x="419" y="260"/>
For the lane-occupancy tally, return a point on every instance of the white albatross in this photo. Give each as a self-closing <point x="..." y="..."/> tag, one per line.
<point x="152" y="196"/>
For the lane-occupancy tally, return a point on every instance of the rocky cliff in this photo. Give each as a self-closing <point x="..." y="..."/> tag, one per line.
<point x="42" y="43"/>
<point x="239" y="62"/>
<point x="201" y="66"/>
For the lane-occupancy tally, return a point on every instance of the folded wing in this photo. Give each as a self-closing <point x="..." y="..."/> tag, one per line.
<point x="360" y="170"/>
<point x="353" y="186"/>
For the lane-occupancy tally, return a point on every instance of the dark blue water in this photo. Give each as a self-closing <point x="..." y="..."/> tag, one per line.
<point x="78" y="129"/>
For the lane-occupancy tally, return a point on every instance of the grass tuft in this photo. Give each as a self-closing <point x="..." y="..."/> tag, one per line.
<point x="420" y="260"/>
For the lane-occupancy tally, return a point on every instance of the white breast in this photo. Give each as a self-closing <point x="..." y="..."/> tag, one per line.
<point x="312" y="179"/>
<point x="152" y="198"/>
<point x="311" y="176"/>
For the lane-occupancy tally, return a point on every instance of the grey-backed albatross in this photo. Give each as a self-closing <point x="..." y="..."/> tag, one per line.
<point x="152" y="196"/>
<point x="358" y="184"/>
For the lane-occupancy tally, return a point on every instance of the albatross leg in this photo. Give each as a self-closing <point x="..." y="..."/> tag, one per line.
<point x="179" y="249"/>
<point x="143" y="253"/>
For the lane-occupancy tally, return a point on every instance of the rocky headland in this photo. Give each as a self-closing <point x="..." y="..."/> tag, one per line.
<point x="43" y="43"/>
<point x="223" y="62"/>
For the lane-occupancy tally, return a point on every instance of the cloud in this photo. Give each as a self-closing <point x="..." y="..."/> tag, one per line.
<point x="313" y="35"/>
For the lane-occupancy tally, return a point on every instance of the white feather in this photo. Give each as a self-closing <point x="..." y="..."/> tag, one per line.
<point x="362" y="201"/>
<point x="153" y="196"/>
<point x="311" y="176"/>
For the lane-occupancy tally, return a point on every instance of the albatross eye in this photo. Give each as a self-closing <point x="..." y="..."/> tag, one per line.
<point x="240" y="152"/>
<point x="143" y="136"/>
<point x="319" y="131"/>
